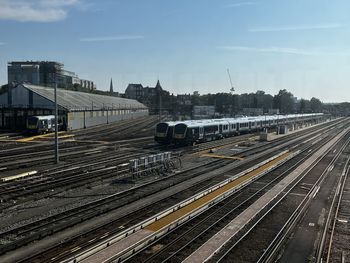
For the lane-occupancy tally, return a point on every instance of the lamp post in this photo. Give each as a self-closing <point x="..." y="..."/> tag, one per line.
<point x="56" y="125"/>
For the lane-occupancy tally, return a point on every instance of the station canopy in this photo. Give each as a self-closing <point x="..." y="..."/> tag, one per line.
<point x="76" y="101"/>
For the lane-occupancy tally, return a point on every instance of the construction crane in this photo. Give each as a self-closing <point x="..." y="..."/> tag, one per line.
<point x="232" y="89"/>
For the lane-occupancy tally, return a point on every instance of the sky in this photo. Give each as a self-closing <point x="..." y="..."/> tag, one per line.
<point x="298" y="45"/>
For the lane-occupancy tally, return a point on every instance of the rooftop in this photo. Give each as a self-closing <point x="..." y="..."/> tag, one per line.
<point x="74" y="100"/>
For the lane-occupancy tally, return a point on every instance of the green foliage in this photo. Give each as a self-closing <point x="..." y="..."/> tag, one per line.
<point x="4" y="88"/>
<point x="284" y="101"/>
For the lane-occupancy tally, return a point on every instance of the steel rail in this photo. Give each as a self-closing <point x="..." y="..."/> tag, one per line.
<point x="278" y="200"/>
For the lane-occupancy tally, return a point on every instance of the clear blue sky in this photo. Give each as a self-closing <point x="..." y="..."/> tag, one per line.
<point x="299" y="45"/>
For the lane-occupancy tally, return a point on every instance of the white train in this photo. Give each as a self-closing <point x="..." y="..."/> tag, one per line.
<point x="41" y="124"/>
<point x="196" y="131"/>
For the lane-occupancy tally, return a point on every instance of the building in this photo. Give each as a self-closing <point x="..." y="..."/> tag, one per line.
<point x="184" y="99"/>
<point x="138" y="92"/>
<point x="203" y="112"/>
<point x="76" y="109"/>
<point x="134" y="91"/>
<point x="44" y="73"/>
<point x="274" y="111"/>
<point x="155" y="98"/>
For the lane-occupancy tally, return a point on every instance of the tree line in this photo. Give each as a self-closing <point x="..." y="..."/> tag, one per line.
<point x="231" y="104"/>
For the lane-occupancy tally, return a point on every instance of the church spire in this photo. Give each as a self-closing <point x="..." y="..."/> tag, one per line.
<point x="158" y="86"/>
<point x="111" y="86"/>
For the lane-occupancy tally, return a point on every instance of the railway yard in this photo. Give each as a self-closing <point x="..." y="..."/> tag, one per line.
<point x="237" y="199"/>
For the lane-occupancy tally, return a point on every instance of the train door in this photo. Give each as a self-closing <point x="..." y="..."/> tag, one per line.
<point x="250" y="125"/>
<point x="220" y="128"/>
<point x="201" y="133"/>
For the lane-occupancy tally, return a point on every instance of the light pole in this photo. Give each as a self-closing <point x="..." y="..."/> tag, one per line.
<point x="56" y="125"/>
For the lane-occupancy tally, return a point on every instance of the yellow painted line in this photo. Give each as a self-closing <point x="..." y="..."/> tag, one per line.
<point x="18" y="176"/>
<point x="168" y="219"/>
<point x="9" y="141"/>
<point x="61" y="137"/>
<point x="37" y="136"/>
<point x="222" y="156"/>
<point x="67" y="136"/>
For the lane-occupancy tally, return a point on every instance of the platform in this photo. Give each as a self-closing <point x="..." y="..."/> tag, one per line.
<point x="214" y="244"/>
<point x="170" y="220"/>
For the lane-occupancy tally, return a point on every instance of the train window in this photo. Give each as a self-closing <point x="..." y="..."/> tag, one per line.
<point x="210" y="129"/>
<point x="162" y="127"/>
<point x="180" y="128"/>
<point x="32" y="121"/>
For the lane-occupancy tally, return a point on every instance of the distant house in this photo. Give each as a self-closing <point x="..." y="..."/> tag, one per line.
<point x="134" y="91"/>
<point x="184" y="99"/>
<point x="203" y="112"/>
<point x="138" y="92"/>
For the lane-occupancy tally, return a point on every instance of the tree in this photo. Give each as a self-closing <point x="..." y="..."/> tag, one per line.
<point x="304" y="106"/>
<point x="4" y="88"/>
<point x="284" y="101"/>
<point x="315" y="105"/>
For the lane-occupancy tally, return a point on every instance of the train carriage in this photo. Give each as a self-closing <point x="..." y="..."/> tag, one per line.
<point x="41" y="124"/>
<point x="201" y="131"/>
<point x="194" y="131"/>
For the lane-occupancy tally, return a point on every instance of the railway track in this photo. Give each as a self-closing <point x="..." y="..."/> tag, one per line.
<point x="69" y="177"/>
<point x="68" y="154"/>
<point x="125" y="130"/>
<point x="51" y="179"/>
<point x="83" y="212"/>
<point x="156" y="188"/>
<point x="266" y="234"/>
<point x="333" y="246"/>
<point x="54" y="256"/>
<point x="42" y="153"/>
<point x="174" y="247"/>
<point x="105" y="165"/>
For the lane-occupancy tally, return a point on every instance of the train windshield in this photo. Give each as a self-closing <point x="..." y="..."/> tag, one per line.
<point x="32" y="121"/>
<point x="162" y="127"/>
<point x="180" y="128"/>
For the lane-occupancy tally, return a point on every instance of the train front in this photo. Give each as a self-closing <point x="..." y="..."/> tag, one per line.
<point x="180" y="134"/>
<point x="33" y="124"/>
<point x="163" y="133"/>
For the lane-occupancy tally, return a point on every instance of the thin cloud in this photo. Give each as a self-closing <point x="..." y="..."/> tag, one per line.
<point x="241" y="4"/>
<point x="36" y="10"/>
<point x="284" y="50"/>
<point x="111" y="38"/>
<point x="2" y="43"/>
<point x="295" y="27"/>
